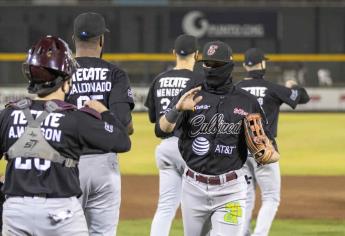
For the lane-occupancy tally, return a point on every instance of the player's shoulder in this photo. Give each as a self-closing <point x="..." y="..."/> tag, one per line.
<point x="165" y="74"/>
<point x="5" y="112"/>
<point x="275" y="87"/>
<point x="179" y="73"/>
<point x="245" y="82"/>
<point x="118" y="74"/>
<point x="82" y="117"/>
<point x="270" y="85"/>
<point x="88" y="112"/>
<point x="245" y="95"/>
<point x="84" y="61"/>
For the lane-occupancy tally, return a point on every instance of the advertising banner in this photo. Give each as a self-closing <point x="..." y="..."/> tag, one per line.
<point x="223" y="23"/>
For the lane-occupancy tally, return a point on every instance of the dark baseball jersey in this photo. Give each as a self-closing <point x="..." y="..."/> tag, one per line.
<point x="271" y="96"/>
<point x="212" y="139"/>
<point x="100" y="80"/>
<point x="164" y="88"/>
<point x="2" y="200"/>
<point x="71" y="133"/>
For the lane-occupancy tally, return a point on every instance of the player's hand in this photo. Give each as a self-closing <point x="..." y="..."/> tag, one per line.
<point x="96" y="105"/>
<point x="188" y="100"/>
<point x="290" y="83"/>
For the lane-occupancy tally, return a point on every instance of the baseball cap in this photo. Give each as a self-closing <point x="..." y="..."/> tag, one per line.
<point x="217" y="51"/>
<point x="185" y="44"/>
<point x="88" y="25"/>
<point x="254" y="56"/>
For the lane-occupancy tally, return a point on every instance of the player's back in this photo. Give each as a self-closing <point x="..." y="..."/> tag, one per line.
<point x="164" y="88"/>
<point x="97" y="79"/>
<point x="270" y="96"/>
<point x="65" y="132"/>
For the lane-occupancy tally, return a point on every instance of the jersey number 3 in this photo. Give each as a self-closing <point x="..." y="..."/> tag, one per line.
<point x="165" y="103"/>
<point x="40" y="164"/>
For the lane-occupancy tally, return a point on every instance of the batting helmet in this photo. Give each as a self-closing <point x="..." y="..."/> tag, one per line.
<point x="48" y="64"/>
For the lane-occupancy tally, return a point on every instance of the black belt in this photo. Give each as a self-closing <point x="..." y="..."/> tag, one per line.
<point x="212" y="180"/>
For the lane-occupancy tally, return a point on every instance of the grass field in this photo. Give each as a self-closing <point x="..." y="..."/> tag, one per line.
<point x="279" y="228"/>
<point x="309" y="143"/>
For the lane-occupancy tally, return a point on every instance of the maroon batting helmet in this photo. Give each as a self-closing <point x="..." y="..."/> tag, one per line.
<point x="48" y="64"/>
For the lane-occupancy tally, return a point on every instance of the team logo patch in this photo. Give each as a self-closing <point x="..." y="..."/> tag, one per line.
<point x="130" y="93"/>
<point x="108" y="127"/>
<point x="233" y="212"/>
<point x="240" y="111"/>
<point x="212" y="49"/>
<point x="294" y="94"/>
<point x="200" y="146"/>
<point x="201" y="107"/>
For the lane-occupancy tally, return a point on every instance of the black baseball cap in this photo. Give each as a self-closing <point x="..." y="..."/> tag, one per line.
<point x="185" y="44"/>
<point x="254" y="56"/>
<point x="217" y="51"/>
<point x="88" y="25"/>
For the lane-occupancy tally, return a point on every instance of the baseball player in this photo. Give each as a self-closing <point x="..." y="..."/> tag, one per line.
<point x="2" y="195"/>
<point x="2" y="198"/>
<point x="210" y="118"/>
<point x="42" y="140"/>
<point x="105" y="82"/>
<point x="163" y="89"/>
<point x="270" y="96"/>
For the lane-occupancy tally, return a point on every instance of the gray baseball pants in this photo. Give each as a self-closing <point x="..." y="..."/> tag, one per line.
<point x="269" y="181"/>
<point x="171" y="167"/>
<point x="100" y="182"/>
<point x="215" y="210"/>
<point x="40" y="216"/>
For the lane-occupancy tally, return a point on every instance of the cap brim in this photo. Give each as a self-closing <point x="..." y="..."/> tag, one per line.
<point x="266" y="58"/>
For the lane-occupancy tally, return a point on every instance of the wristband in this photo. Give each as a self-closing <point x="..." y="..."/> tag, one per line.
<point x="173" y="115"/>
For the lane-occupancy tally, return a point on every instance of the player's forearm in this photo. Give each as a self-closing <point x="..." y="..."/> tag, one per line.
<point x="165" y="125"/>
<point x="167" y="122"/>
<point x="304" y="96"/>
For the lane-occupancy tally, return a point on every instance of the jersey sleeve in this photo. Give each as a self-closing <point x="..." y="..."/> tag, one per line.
<point x="121" y="91"/>
<point x="150" y="103"/>
<point x="108" y="134"/>
<point x="304" y="96"/>
<point x="1" y="130"/>
<point x="290" y="96"/>
<point x="122" y="111"/>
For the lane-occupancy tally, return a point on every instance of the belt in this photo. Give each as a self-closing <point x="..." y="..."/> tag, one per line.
<point x="212" y="180"/>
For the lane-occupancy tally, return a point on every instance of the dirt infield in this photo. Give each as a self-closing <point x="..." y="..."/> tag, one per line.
<point x="309" y="197"/>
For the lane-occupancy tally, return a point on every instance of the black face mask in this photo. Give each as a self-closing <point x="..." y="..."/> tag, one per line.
<point x="216" y="77"/>
<point x="257" y="74"/>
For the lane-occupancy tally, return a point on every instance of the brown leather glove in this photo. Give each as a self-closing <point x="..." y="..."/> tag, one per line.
<point x="257" y="141"/>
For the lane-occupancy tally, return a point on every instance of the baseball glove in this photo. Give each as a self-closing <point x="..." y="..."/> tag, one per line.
<point x="257" y="141"/>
